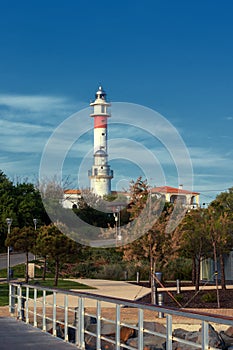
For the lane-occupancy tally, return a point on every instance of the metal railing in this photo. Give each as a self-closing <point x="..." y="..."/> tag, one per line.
<point x="78" y="317"/>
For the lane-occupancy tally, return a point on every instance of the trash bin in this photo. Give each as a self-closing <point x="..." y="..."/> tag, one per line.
<point x="158" y="275"/>
<point x="157" y="279"/>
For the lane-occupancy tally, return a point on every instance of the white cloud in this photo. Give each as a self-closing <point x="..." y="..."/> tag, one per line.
<point x="27" y="122"/>
<point x="33" y="103"/>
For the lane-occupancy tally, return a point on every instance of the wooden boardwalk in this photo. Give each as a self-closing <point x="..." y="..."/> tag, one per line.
<point x="18" y="335"/>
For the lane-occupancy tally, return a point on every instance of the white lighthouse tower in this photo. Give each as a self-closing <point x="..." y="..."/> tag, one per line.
<point x="100" y="174"/>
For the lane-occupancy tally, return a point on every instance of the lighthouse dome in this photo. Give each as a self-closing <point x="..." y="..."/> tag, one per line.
<point x="100" y="93"/>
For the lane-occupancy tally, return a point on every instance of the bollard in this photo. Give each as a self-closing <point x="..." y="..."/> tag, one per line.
<point x="160" y="303"/>
<point x="178" y="286"/>
<point x="126" y="275"/>
<point x="138" y="277"/>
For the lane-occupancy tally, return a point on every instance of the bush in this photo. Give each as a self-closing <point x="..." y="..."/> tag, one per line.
<point x="178" y="297"/>
<point x="85" y="270"/>
<point x="209" y="298"/>
<point x="110" y="272"/>
<point x="180" y="268"/>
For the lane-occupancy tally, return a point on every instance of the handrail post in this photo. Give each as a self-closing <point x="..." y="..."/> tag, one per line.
<point x="44" y="311"/>
<point x="66" y="318"/>
<point x="98" y="326"/>
<point x="11" y="299"/>
<point x="19" y="296"/>
<point x="169" y="333"/>
<point x="205" y="335"/>
<point x="54" y="314"/>
<point x="80" y="341"/>
<point x="34" y="309"/>
<point x="118" y="327"/>
<point x="26" y="304"/>
<point x="140" y="328"/>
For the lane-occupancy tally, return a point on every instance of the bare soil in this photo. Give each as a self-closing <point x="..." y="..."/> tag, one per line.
<point x="203" y="299"/>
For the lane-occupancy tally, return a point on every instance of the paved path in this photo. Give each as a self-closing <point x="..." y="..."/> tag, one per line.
<point x="15" y="259"/>
<point x="115" y="289"/>
<point x="18" y="335"/>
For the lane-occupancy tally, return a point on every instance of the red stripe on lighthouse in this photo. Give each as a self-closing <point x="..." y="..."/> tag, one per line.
<point x="100" y="122"/>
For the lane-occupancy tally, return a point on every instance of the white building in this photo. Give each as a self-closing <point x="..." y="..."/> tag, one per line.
<point x="189" y="199"/>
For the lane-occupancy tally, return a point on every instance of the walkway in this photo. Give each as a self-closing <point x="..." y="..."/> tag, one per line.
<point x="18" y="335"/>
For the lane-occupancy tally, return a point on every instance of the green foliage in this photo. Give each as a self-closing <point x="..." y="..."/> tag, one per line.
<point x="84" y="270"/>
<point x="22" y="203"/>
<point x="111" y="272"/>
<point x="56" y="247"/>
<point x="179" y="297"/>
<point x="23" y="239"/>
<point x="139" y="191"/>
<point x="209" y="298"/>
<point x="93" y="216"/>
<point x="225" y="200"/>
<point x="119" y="271"/>
<point x="179" y="268"/>
<point x="4" y="294"/>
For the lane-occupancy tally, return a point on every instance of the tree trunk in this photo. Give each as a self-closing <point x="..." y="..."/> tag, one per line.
<point x="26" y="268"/>
<point x="194" y="271"/>
<point x="44" y="269"/>
<point x="216" y="272"/>
<point x="56" y="272"/>
<point x="198" y="264"/>
<point x="222" y="266"/>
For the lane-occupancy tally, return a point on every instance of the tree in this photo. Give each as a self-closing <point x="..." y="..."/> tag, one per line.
<point x="28" y="205"/>
<point x="219" y="229"/>
<point x="56" y="247"/>
<point x="23" y="239"/>
<point x="157" y="246"/>
<point x="194" y="242"/>
<point x="22" y="203"/>
<point x="225" y="200"/>
<point x="151" y="216"/>
<point x="139" y="191"/>
<point x="7" y="204"/>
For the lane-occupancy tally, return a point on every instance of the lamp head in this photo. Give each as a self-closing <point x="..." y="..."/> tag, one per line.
<point x="8" y="221"/>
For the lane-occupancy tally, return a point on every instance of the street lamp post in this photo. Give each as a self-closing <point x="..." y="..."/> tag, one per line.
<point x="35" y="223"/>
<point x="117" y="216"/>
<point x="9" y="222"/>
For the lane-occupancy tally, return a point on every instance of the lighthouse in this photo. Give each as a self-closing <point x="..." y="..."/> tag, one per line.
<point x="100" y="174"/>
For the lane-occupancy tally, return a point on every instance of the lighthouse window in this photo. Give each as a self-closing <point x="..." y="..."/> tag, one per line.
<point x="102" y="109"/>
<point x="103" y="134"/>
<point x="101" y="167"/>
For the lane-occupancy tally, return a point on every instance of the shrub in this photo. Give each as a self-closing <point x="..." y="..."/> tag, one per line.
<point x="178" y="297"/>
<point x="209" y="298"/>
<point x="111" y="272"/>
<point x="180" y="268"/>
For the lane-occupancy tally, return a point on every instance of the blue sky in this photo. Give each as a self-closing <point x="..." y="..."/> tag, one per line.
<point x="175" y="57"/>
